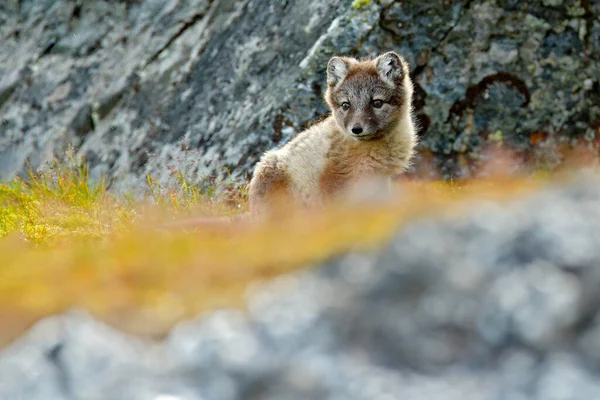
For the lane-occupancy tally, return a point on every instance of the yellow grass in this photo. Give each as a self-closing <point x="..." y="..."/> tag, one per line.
<point x="68" y="243"/>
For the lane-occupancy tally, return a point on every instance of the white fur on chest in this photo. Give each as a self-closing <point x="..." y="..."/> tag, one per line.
<point x="308" y="155"/>
<point x="385" y="158"/>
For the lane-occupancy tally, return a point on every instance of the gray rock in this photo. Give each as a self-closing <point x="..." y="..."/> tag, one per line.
<point x="498" y="303"/>
<point x="132" y="83"/>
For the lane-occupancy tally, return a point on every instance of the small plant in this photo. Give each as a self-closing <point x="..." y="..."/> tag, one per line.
<point x="360" y="3"/>
<point x="184" y="190"/>
<point x="208" y="196"/>
<point x="59" y="202"/>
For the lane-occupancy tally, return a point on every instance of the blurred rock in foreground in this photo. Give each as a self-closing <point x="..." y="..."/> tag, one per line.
<point x="502" y="303"/>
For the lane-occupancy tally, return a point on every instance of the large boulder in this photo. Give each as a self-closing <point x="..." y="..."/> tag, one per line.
<point x="205" y="86"/>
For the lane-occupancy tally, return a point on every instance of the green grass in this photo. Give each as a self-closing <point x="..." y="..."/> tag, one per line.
<point x="360" y="3"/>
<point x="58" y="204"/>
<point x="62" y="203"/>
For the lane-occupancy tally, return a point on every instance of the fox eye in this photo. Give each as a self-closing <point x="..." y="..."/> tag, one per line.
<point x="345" y="106"/>
<point x="377" y="103"/>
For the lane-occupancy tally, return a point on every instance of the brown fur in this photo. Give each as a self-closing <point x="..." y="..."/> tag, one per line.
<point x="269" y="187"/>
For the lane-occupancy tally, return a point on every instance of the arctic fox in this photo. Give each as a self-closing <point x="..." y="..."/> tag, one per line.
<point x="370" y="133"/>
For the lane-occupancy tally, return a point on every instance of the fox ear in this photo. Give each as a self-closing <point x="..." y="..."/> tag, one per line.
<point x="389" y="67"/>
<point x="337" y="68"/>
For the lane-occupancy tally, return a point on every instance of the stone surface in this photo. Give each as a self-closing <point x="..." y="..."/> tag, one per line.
<point x="134" y="84"/>
<point x="500" y="302"/>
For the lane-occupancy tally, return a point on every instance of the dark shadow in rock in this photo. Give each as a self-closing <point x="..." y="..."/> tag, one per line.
<point x="474" y="91"/>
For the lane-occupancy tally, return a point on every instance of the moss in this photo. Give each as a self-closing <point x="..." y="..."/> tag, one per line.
<point x="360" y="3"/>
<point x="497" y="137"/>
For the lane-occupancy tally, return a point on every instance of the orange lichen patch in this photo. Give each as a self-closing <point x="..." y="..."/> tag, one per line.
<point x="536" y="137"/>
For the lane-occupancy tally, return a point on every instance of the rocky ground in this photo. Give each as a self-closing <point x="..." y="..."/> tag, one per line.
<point x="207" y="85"/>
<point x="500" y="303"/>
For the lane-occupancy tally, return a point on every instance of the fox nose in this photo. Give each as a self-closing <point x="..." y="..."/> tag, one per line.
<point x="357" y="130"/>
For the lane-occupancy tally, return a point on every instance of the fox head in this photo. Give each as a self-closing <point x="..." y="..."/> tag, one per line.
<point x="369" y="98"/>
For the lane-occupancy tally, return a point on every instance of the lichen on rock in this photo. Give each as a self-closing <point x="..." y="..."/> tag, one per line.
<point x="221" y="76"/>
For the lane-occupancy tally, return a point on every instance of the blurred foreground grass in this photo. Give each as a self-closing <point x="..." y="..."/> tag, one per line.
<point x="67" y="242"/>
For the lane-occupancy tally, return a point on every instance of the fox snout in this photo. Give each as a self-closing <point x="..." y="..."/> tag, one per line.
<point x="357" y="129"/>
<point x="360" y="124"/>
<point x="361" y="128"/>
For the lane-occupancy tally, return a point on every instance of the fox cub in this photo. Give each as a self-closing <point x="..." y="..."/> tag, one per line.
<point x="370" y="133"/>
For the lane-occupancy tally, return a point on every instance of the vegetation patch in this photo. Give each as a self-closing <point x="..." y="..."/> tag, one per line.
<point x="69" y="242"/>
